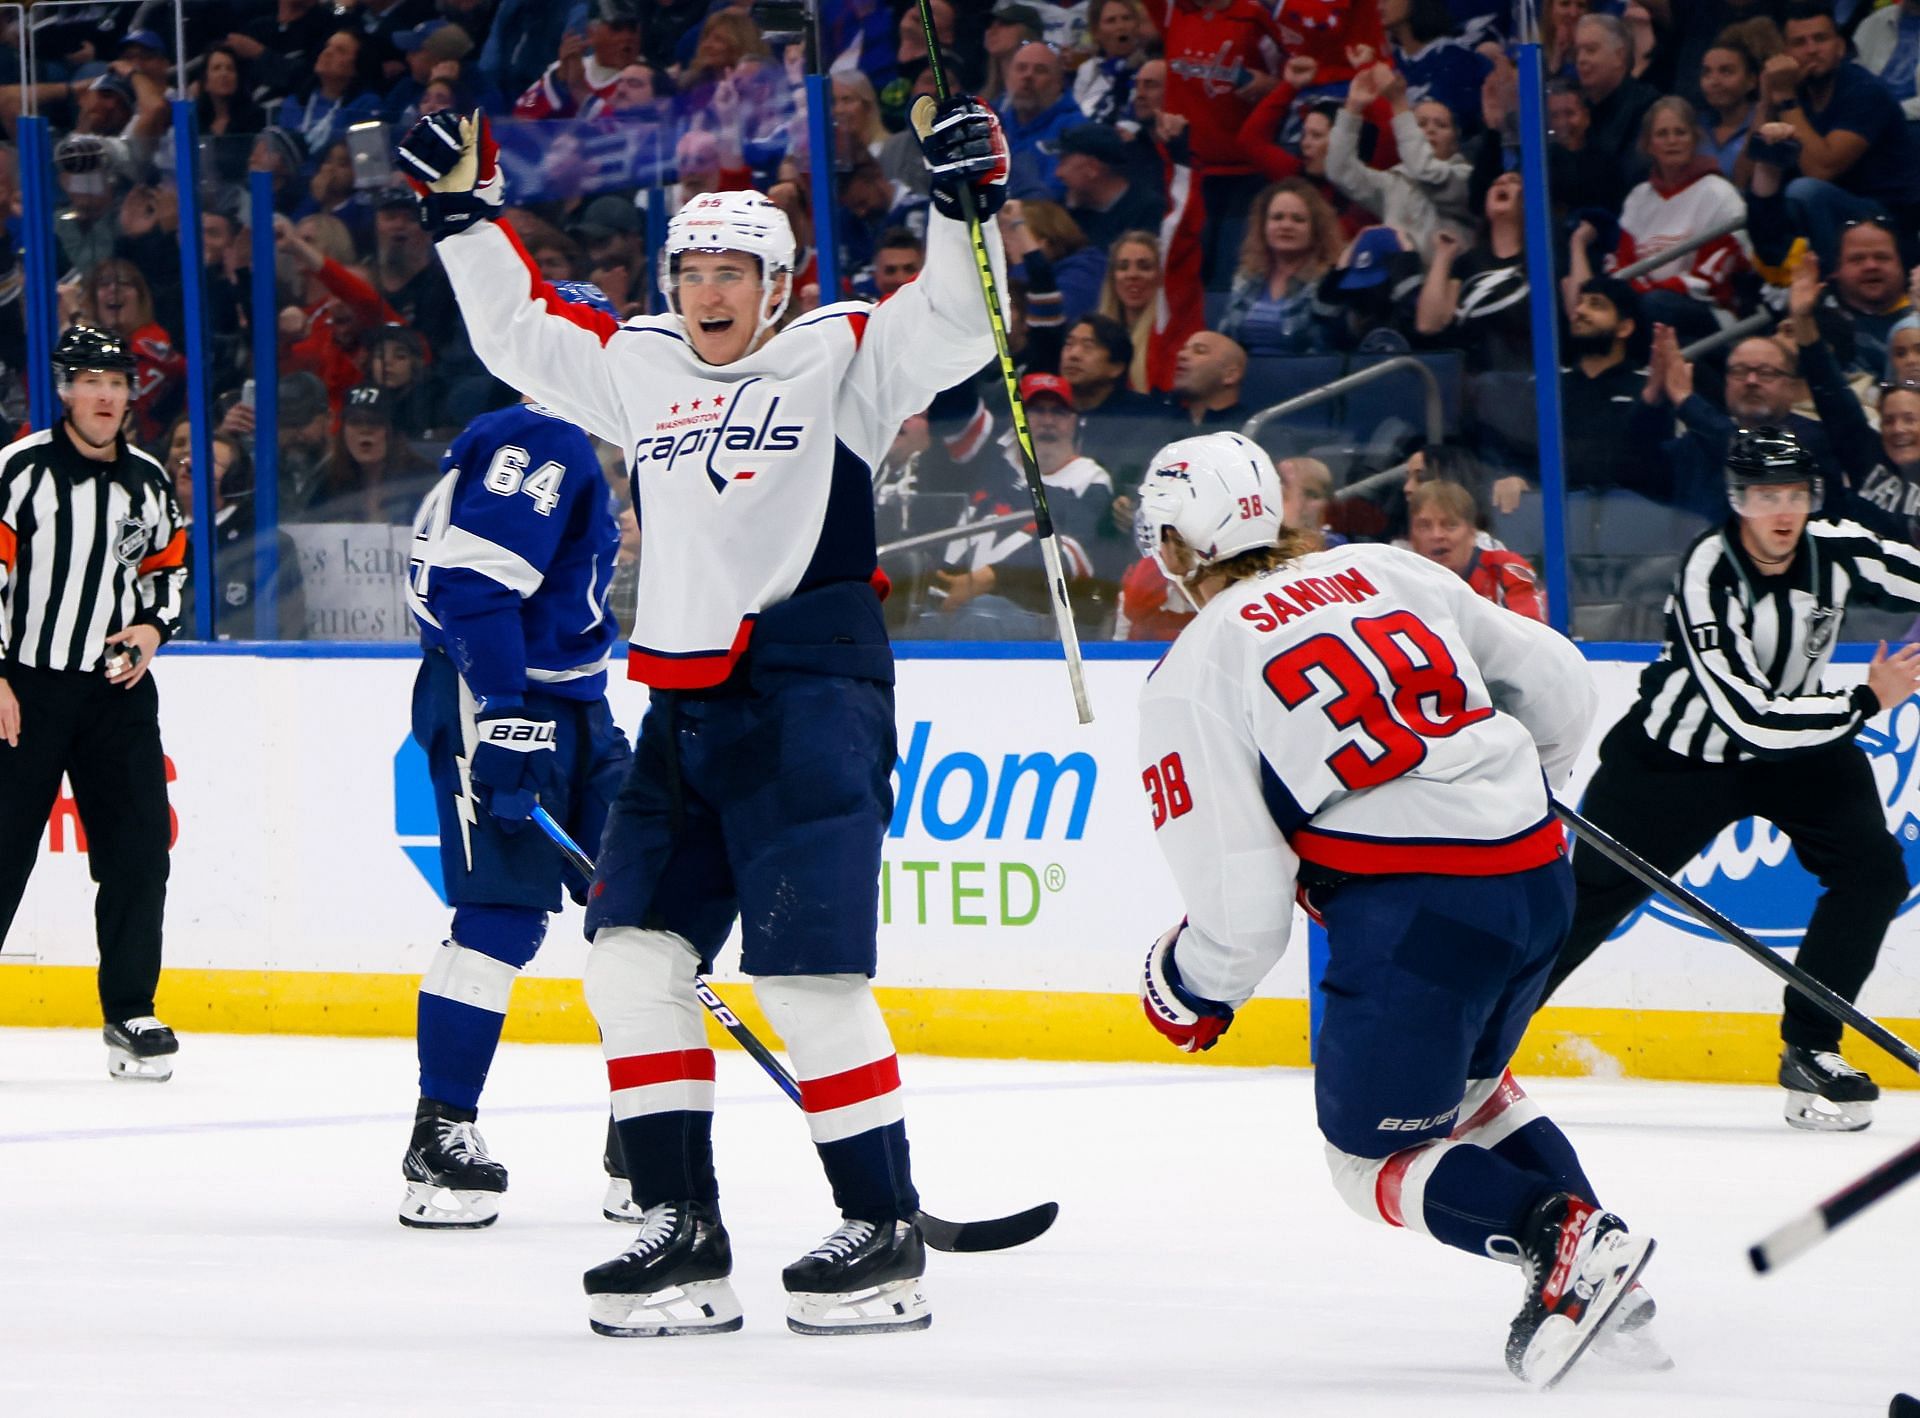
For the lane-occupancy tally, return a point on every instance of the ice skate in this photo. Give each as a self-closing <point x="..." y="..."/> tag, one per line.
<point x="865" y="1278"/>
<point x="1626" y="1339"/>
<point x="671" y="1280"/>
<point x="618" y="1203"/>
<point x="451" y="1182"/>
<point x="140" y="1050"/>
<point x="1579" y="1263"/>
<point x="1825" y="1093"/>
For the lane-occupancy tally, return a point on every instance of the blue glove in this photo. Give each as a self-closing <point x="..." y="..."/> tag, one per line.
<point x="453" y="166"/>
<point x="963" y="145"/>
<point x="514" y="765"/>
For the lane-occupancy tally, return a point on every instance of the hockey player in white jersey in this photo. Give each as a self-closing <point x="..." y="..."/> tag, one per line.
<point x="760" y="786"/>
<point x="1359" y="725"/>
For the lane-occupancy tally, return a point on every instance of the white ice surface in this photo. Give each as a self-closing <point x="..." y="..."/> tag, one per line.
<point x="225" y="1244"/>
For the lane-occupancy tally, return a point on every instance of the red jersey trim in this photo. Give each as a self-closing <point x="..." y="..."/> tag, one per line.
<point x="856" y="1085"/>
<point x="641" y="1070"/>
<point x="1362" y="856"/>
<point x="697" y="669"/>
<point x="595" y="322"/>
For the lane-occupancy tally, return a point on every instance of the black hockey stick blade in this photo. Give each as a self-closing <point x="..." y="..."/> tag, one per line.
<point x="1002" y="1233"/>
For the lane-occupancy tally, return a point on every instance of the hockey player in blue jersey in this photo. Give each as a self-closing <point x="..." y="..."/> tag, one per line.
<point x="761" y="780"/>
<point x="513" y="553"/>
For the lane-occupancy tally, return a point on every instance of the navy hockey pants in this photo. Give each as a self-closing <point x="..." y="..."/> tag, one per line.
<point x="1430" y="982"/>
<point x="769" y="803"/>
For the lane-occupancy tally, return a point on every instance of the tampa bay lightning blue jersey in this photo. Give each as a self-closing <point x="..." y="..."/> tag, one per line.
<point x="513" y="555"/>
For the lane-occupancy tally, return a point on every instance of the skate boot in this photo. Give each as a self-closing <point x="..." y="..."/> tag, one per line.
<point x="618" y="1204"/>
<point x="140" y="1050"/>
<point x="1825" y="1093"/>
<point x="1626" y="1339"/>
<point x="1579" y="1262"/>
<point x="451" y="1182"/>
<point x="671" y="1280"/>
<point x="863" y="1279"/>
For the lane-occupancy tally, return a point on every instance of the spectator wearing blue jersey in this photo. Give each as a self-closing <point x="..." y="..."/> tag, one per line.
<point x="1437" y="63"/>
<point x="338" y="99"/>
<point x="513" y="556"/>
<point x="1037" y="110"/>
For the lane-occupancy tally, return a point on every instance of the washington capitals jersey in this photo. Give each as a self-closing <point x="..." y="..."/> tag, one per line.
<point x="754" y="479"/>
<point x="1360" y="711"/>
<point x="513" y="554"/>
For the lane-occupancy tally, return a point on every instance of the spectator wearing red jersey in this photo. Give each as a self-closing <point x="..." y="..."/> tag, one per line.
<point x="1443" y="530"/>
<point x="1328" y="31"/>
<point x="1683" y="196"/>
<point x="1223" y="57"/>
<point x="1260" y="138"/>
<point x="322" y="333"/>
<point x="588" y="68"/>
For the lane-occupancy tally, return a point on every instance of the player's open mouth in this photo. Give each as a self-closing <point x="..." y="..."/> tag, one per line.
<point x="717" y="325"/>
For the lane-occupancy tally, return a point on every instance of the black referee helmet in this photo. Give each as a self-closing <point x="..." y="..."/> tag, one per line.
<point x="84" y="347"/>
<point x="1768" y="457"/>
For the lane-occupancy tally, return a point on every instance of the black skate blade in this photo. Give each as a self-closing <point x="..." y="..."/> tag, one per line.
<point x="1002" y="1233"/>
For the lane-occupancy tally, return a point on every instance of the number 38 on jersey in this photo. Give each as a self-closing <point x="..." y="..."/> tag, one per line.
<point x="1397" y="688"/>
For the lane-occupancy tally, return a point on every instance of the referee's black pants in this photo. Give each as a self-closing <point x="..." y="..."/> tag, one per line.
<point x="107" y="741"/>
<point x="1668" y="808"/>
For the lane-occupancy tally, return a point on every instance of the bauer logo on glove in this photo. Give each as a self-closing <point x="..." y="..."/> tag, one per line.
<point x="453" y="165"/>
<point x="1191" y="1023"/>
<point x="964" y="149"/>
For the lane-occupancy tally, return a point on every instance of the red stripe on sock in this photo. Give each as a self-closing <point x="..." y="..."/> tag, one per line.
<point x="642" y="1069"/>
<point x="1387" y="1186"/>
<point x="856" y="1085"/>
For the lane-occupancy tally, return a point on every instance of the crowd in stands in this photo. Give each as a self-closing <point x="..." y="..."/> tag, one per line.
<point x="1215" y="206"/>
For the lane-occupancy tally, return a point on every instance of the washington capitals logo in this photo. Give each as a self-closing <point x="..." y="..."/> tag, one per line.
<point x="723" y="431"/>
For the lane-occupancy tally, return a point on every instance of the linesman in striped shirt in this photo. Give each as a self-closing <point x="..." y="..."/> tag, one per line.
<point x="92" y="567"/>
<point x="1734" y="721"/>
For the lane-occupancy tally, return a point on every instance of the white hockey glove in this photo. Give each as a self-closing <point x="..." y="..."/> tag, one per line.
<point x="453" y="166"/>
<point x="1192" y="1023"/>
<point x="963" y="145"/>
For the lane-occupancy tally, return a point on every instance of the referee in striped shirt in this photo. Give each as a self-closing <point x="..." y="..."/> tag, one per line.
<point x="92" y="567"/>
<point x="1733" y="721"/>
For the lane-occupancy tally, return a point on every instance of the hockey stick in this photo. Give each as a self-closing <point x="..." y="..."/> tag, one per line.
<point x="1029" y="464"/>
<point x="1809" y="1229"/>
<point x="1654" y="879"/>
<point x="998" y="1234"/>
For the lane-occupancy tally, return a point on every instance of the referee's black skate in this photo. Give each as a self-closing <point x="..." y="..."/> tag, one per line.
<point x="865" y="1278"/>
<point x="140" y="1050"/>
<point x="452" y="1184"/>
<point x="1825" y="1093"/>
<point x="1579" y="1262"/>
<point x="671" y="1280"/>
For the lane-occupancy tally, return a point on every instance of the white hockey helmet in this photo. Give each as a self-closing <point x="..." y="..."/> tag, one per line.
<point x="746" y="222"/>
<point x="1218" y="491"/>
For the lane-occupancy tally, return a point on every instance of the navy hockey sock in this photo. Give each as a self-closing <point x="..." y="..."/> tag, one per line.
<point x="669" y="1157"/>
<point x="870" y="1176"/>
<point x="1541" y="1148"/>
<point x="464" y="996"/>
<point x="1471" y="1198"/>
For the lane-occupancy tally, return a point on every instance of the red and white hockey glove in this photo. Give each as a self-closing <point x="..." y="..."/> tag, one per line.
<point x="453" y="166"/>
<point x="1192" y="1023"/>
<point x="964" y="146"/>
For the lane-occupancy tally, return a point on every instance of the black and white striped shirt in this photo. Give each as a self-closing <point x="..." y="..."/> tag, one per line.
<point x="1740" y="674"/>
<point x="87" y="548"/>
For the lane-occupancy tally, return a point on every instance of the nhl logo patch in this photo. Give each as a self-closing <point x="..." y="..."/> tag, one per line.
<point x="129" y="541"/>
